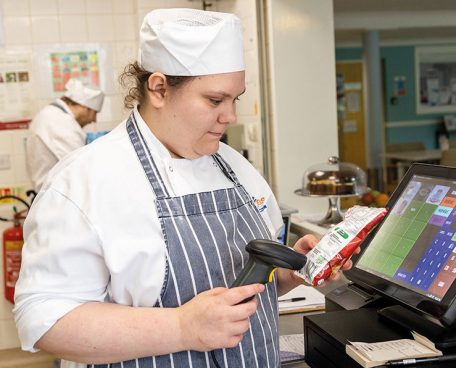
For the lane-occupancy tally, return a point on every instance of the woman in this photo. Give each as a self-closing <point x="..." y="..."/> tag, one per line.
<point x="149" y="223"/>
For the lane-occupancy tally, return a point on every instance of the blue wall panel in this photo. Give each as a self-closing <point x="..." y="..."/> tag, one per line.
<point x="425" y="133"/>
<point x="399" y="61"/>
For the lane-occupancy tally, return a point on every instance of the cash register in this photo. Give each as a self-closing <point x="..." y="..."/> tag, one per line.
<point x="403" y="279"/>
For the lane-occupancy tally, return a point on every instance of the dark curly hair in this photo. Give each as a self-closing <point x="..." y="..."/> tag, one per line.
<point x="134" y="79"/>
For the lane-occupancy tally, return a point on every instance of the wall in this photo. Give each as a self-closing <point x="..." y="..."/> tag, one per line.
<point x="403" y="124"/>
<point x="249" y="106"/>
<point x="30" y="25"/>
<point x="303" y="94"/>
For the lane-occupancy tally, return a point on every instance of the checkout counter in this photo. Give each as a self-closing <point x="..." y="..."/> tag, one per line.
<point x="357" y="312"/>
<point x="351" y="313"/>
<point x="331" y="181"/>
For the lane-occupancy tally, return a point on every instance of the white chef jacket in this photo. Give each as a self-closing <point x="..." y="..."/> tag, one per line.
<point x="54" y="133"/>
<point x="93" y="233"/>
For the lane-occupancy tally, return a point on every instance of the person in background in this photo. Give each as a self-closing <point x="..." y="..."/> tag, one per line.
<point x="57" y="128"/>
<point x="134" y="240"/>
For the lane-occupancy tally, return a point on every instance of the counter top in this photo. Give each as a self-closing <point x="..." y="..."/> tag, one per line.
<point x="16" y="358"/>
<point x="303" y="224"/>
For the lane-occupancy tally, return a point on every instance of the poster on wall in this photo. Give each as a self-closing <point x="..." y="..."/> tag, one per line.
<point x="56" y="64"/>
<point x="82" y="65"/>
<point x="16" y="99"/>
<point x="435" y="79"/>
<point x="399" y="86"/>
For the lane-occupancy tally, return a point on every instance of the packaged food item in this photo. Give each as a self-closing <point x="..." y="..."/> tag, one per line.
<point x="339" y="243"/>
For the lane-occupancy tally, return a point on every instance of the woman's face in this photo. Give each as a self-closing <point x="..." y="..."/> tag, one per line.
<point x="195" y="116"/>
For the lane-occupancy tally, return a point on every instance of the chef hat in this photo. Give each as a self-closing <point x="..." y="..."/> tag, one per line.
<point x="191" y="42"/>
<point x="88" y="96"/>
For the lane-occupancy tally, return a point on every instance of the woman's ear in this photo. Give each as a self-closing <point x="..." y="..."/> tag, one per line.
<point x="156" y="87"/>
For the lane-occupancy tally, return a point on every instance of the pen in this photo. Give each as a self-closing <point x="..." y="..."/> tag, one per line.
<point x="443" y="358"/>
<point x="294" y="299"/>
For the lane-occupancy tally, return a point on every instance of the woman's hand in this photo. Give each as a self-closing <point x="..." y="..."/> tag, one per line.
<point x="287" y="280"/>
<point x="215" y="318"/>
<point x="98" y="332"/>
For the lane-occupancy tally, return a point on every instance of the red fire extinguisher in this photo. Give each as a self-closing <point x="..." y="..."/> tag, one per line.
<point x="13" y="241"/>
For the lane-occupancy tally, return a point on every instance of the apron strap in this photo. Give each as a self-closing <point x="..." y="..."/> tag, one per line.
<point x="145" y="158"/>
<point x="226" y="168"/>
<point x="150" y="168"/>
<point x="55" y="104"/>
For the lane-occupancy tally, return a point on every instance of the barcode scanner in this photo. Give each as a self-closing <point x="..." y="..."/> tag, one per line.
<point x="265" y="256"/>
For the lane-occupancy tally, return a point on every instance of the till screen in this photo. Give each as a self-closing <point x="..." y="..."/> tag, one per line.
<point x="415" y="246"/>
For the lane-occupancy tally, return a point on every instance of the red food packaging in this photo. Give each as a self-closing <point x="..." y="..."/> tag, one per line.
<point x="339" y="243"/>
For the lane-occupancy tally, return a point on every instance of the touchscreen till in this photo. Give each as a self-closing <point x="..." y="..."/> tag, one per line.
<point x="415" y="246"/>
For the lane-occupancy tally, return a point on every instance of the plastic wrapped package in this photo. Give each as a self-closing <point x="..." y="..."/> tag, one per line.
<point x="339" y="243"/>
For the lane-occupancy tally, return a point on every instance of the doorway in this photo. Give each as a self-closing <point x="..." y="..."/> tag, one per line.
<point x="350" y="112"/>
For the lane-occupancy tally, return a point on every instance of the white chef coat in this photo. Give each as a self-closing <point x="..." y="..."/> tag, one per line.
<point x="54" y="133"/>
<point x="93" y="233"/>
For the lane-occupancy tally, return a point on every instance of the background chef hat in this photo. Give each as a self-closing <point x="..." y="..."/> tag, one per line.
<point x="190" y="42"/>
<point x="88" y="96"/>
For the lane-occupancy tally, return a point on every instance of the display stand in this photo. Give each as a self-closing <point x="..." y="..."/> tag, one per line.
<point x="442" y="337"/>
<point x="352" y="296"/>
<point x="333" y="215"/>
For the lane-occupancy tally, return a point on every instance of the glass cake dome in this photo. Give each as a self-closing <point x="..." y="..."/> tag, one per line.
<point x="333" y="179"/>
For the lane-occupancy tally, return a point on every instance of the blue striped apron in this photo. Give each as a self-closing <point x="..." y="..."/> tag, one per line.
<point x="55" y="104"/>
<point x="205" y="235"/>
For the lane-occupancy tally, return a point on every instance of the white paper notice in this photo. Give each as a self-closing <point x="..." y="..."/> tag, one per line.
<point x="16" y="101"/>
